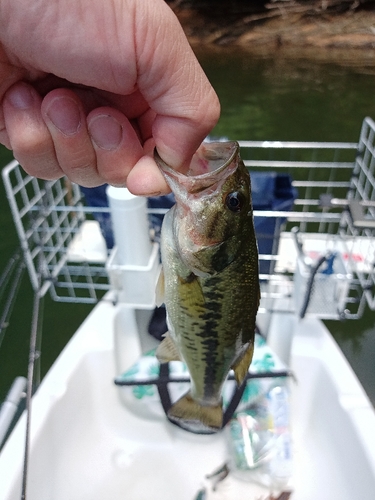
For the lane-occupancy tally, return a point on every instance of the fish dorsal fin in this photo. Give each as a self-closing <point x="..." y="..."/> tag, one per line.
<point x="241" y="366"/>
<point x="159" y="290"/>
<point x="167" y="350"/>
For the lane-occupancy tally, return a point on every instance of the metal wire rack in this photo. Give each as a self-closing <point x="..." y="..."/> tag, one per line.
<point x="51" y="221"/>
<point x="333" y="210"/>
<point x="333" y="216"/>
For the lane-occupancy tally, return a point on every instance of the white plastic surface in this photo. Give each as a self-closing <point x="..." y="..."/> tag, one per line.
<point x="88" y="244"/>
<point x="134" y="284"/>
<point x="129" y="211"/>
<point x="87" y="445"/>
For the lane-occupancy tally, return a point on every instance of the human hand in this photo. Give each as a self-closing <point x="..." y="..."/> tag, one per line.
<point x="88" y="88"/>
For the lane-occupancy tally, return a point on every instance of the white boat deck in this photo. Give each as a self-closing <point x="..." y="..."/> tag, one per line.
<point x="94" y="447"/>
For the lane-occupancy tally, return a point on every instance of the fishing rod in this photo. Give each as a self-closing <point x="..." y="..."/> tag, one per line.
<point x="34" y="357"/>
<point x="14" y="271"/>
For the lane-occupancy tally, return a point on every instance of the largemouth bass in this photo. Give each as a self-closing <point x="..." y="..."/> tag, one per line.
<point x="209" y="282"/>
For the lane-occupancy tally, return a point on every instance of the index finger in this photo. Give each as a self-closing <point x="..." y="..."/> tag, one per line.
<point x="174" y="85"/>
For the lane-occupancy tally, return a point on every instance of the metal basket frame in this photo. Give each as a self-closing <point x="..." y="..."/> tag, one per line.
<point x="330" y="177"/>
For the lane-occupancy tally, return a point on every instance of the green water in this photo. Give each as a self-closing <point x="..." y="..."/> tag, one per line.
<point x="60" y="320"/>
<point x="288" y="100"/>
<point x="261" y="100"/>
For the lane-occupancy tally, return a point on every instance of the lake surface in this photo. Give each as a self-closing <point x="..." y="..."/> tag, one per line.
<point x="262" y="99"/>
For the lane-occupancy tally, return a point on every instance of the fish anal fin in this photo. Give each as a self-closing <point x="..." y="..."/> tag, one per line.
<point x="167" y="350"/>
<point x="194" y="417"/>
<point x="241" y="366"/>
<point x="159" y="290"/>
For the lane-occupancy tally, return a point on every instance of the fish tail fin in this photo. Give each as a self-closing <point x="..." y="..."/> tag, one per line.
<point x="194" y="417"/>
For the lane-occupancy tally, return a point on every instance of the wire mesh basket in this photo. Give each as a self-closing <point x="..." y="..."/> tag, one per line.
<point x="333" y="205"/>
<point x="64" y="250"/>
<point x="321" y="287"/>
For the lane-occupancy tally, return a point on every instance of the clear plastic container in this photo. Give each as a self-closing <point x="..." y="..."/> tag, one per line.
<point x="260" y="443"/>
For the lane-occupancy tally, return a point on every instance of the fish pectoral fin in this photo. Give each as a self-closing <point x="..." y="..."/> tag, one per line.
<point x="241" y="366"/>
<point x="190" y="292"/>
<point x="159" y="290"/>
<point x="195" y="417"/>
<point x="167" y="350"/>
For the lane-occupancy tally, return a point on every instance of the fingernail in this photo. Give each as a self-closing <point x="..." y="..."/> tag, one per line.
<point x="106" y="132"/>
<point x="20" y="97"/>
<point x="156" y="193"/>
<point x="65" y="115"/>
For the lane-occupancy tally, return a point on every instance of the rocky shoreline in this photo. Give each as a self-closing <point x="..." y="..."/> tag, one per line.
<point x="346" y="38"/>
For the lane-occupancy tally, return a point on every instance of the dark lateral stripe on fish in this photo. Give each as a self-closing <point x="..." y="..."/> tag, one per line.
<point x="212" y="371"/>
<point x="209" y="348"/>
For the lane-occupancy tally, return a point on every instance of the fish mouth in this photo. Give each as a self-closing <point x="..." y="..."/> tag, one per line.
<point x="210" y="166"/>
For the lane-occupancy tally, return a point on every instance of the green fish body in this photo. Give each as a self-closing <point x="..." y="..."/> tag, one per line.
<point x="209" y="281"/>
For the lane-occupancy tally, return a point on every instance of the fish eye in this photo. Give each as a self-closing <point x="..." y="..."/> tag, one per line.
<point x="235" y="201"/>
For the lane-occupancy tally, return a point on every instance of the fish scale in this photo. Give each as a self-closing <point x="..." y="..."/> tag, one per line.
<point x="209" y="282"/>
